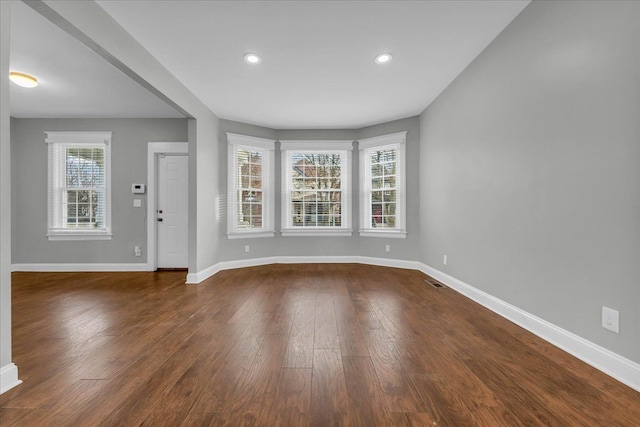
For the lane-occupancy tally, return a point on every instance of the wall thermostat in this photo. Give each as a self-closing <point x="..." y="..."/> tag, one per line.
<point x="137" y="188"/>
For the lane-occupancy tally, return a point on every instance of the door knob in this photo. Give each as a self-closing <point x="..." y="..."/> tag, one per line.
<point x="160" y="219"/>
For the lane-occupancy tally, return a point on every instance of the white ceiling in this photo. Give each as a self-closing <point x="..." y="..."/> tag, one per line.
<point x="317" y="69"/>
<point x="73" y="80"/>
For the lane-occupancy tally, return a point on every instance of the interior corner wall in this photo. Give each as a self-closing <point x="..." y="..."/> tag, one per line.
<point x="128" y="166"/>
<point x="530" y="177"/>
<point x="407" y="249"/>
<point x="233" y="249"/>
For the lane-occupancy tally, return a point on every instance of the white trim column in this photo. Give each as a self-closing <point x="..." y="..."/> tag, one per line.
<point x="8" y="370"/>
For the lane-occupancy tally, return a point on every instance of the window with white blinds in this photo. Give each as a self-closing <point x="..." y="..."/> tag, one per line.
<point x="316" y="188"/>
<point x="383" y="186"/>
<point x="250" y="205"/>
<point x="79" y="193"/>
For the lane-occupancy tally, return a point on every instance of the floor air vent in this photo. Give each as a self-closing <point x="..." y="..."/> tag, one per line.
<point x="434" y="283"/>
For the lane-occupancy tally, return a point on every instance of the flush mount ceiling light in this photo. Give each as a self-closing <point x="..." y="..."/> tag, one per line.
<point x="252" y="58"/>
<point x="383" y="58"/>
<point x="22" y="79"/>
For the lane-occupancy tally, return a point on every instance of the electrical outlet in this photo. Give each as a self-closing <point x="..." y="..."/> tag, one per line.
<point x="444" y="259"/>
<point x="387" y="248"/>
<point x="137" y="251"/>
<point x="611" y="319"/>
<point x="247" y="248"/>
<point x="137" y="203"/>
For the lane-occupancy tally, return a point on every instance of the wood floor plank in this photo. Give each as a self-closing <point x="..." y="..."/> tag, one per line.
<point x="287" y="345"/>
<point x="329" y="394"/>
<point x="253" y="396"/>
<point x="178" y="400"/>
<point x="300" y="348"/>
<point x="613" y="393"/>
<point x="350" y="334"/>
<point x="410" y="419"/>
<point x="352" y="341"/>
<point x="232" y="370"/>
<point x="326" y="329"/>
<point x="79" y="393"/>
<point x="129" y="381"/>
<point x="249" y="308"/>
<point x="365" y="394"/>
<point x="399" y="393"/>
<point x="148" y="395"/>
<point x="59" y="375"/>
<point x="13" y="416"/>
<point x="281" y="320"/>
<point x="370" y="326"/>
<point x="497" y="345"/>
<point x="293" y="397"/>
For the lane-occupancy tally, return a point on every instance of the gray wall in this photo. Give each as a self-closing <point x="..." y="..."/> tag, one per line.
<point x="404" y="249"/>
<point x="128" y="165"/>
<point x="530" y="177"/>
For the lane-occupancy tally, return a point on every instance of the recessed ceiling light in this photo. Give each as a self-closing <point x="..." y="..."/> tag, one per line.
<point x="22" y="79"/>
<point x="383" y="58"/>
<point x="252" y="58"/>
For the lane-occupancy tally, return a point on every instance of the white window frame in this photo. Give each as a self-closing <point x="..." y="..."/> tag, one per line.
<point x="342" y="147"/>
<point x="56" y="179"/>
<point x="266" y="147"/>
<point x="367" y="146"/>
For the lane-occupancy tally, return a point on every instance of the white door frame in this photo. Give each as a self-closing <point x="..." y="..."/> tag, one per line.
<point x="154" y="149"/>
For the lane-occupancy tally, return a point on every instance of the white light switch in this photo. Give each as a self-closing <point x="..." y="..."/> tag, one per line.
<point x="137" y="203"/>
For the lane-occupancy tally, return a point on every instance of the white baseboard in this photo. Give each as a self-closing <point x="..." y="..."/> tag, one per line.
<point x="9" y="377"/>
<point x="612" y="364"/>
<point x="388" y="262"/>
<point x="195" y="278"/>
<point x="49" y="267"/>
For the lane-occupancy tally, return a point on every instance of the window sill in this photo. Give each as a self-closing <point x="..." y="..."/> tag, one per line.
<point x="79" y="236"/>
<point x="317" y="233"/>
<point x="250" y="234"/>
<point x="392" y="234"/>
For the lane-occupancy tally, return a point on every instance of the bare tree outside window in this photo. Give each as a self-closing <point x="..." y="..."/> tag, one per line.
<point x="84" y="191"/>
<point x="383" y="189"/>
<point x="316" y="190"/>
<point x="250" y="165"/>
<point x="383" y="186"/>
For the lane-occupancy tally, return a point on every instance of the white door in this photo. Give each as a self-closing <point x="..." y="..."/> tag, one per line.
<point x="172" y="211"/>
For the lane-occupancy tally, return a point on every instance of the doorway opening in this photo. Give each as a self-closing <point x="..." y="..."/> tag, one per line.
<point x="167" y="207"/>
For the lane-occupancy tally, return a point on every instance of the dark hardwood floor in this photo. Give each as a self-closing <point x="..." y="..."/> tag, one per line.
<point x="287" y="345"/>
